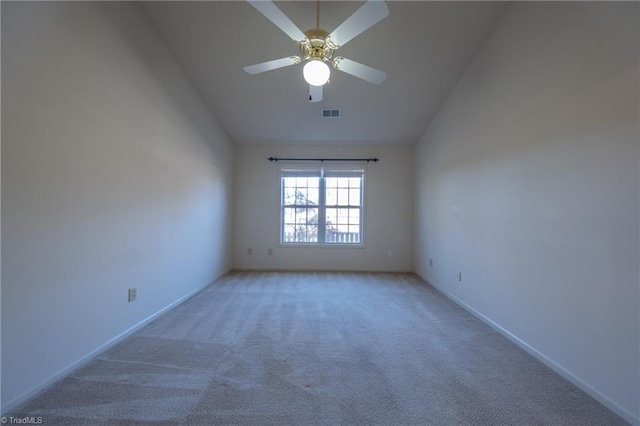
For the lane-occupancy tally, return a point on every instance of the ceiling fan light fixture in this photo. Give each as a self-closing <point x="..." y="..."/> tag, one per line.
<point x="316" y="72"/>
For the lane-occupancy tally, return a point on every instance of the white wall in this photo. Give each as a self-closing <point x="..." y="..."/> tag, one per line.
<point x="527" y="181"/>
<point x="114" y="175"/>
<point x="388" y="210"/>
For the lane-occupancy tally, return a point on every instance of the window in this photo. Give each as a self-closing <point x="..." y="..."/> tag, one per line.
<point x="321" y="206"/>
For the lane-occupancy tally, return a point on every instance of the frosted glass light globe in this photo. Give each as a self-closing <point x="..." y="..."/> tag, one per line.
<point x="316" y="72"/>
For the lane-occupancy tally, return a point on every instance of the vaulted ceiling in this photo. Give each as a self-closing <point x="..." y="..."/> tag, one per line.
<point x="423" y="46"/>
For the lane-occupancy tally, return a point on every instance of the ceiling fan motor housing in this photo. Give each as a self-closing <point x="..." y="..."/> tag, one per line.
<point x="317" y="45"/>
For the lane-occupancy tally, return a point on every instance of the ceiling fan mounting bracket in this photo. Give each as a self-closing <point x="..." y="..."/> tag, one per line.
<point x="316" y="33"/>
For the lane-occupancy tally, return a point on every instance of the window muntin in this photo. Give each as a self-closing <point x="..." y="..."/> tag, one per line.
<point x="322" y="207"/>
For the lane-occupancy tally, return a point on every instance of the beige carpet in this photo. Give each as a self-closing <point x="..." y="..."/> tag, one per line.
<point x="288" y="348"/>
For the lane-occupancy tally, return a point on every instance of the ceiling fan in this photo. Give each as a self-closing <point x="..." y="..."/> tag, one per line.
<point x="317" y="46"/>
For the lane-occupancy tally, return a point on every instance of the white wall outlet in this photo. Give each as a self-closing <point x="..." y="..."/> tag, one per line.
<point x="249" y="252"/>
<point x="133" y="294"/>
<point x="389" y="253"/>
<point x="270" y="252"/>
<point x="460" y="276"/>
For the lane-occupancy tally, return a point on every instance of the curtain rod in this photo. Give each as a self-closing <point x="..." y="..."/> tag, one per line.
<point x="375" y="160"/>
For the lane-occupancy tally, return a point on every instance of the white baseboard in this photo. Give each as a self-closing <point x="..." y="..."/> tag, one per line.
<point x="102" y="348"/>
<point x="594" y="393"/>
<point x="286" y="269"/>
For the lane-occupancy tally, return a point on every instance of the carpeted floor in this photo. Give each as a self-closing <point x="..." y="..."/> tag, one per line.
<point x="293" y="348"/>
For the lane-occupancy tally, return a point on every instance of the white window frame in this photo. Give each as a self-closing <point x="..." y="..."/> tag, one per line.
<point x="323" y="172"/>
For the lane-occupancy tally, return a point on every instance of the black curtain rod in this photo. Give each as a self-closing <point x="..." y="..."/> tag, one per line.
<point x="375" y="160"/>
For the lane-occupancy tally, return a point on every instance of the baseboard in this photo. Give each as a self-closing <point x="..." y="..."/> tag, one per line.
<point x="82" y="361"/>
<point x="595" y="394"/>
<point x="281" y="269"/>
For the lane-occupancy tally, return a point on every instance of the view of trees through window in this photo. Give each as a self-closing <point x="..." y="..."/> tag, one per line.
<point x="301" y="209"/>
<point x="321" y="210"/>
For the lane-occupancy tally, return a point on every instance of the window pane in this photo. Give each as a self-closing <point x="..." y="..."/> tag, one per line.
<point x="301" y="216"/>
<point x="332" y="197"/>
<point x="289" y="195"/>
<point x="331" y="216"/>
<point x="312" y="234"/>
<point x="354" y="216"/>
<point x="330" y="236"/>
<point x="343" y="216"/>
<point x="313" y="196"/>
<point x="303" y="197"/>
<point x="343" y="197"/>
<point x="289" y="234"/>
<point x="312" y="216"/>
<point x="354" y="197"/>
<point x="289" y="215"/>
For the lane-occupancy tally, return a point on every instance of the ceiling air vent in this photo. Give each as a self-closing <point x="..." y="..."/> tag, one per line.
<point x="330" y="113"/>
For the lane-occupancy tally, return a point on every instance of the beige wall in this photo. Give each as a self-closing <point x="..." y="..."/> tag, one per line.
<point x="388" y="210"/>
<point x="114" y="175"/>
<point x="527" y="182"/>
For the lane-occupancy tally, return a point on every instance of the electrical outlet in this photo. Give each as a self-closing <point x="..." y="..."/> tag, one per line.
<point x="460" y="276"/>
<point x="249" y="252"/>
<point x="133" y="294"/>
<point x="431" y="263"/>
<point x="389" y="253"/>
<point x="270" y="252"/>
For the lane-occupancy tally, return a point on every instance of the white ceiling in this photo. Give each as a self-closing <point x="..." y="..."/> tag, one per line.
<point x="423" y="46"/>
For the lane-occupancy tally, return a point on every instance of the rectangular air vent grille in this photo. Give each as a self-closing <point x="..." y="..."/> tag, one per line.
<point x="330" y="113"/>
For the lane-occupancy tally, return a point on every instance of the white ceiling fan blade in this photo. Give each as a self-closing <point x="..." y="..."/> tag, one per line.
<point x="369" y="14"/>
<point x="359" y="70"/>
<point x="272" y="65"/>
<point x="315" y="93"/>
<point x="275" y="15"/>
